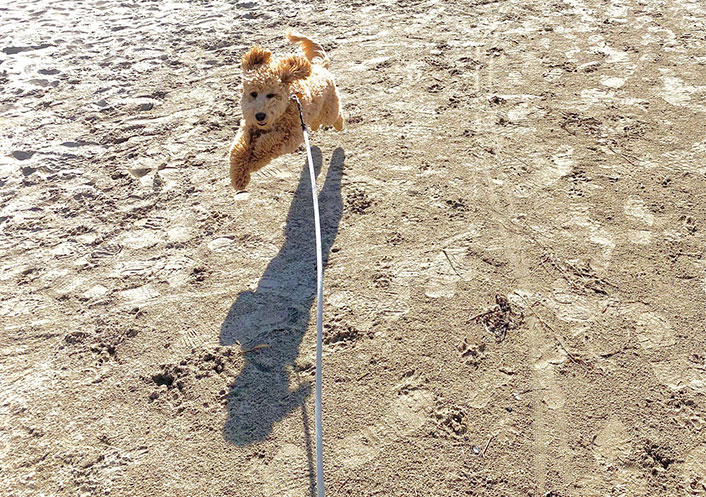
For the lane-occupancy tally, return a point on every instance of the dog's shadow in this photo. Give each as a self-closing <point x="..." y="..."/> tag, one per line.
<point x="277" y="313"/>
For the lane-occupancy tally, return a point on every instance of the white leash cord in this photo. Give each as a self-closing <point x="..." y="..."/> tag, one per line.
<point x="319" y="312"/>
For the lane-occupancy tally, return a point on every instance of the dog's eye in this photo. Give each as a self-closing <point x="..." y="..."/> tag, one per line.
<point x="253" y="94"/>
<point x="271" y="95"/>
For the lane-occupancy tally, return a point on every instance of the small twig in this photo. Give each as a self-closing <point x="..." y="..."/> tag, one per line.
<point x="623" y="155"/>
<point x="486" y="445"/>
<point x="342" y="485"/>
<point x="698" y="255"/>
<point x="532" y="390"/>
<point x="478" y="316"/>
<point x="556" y="336"/>
<point x="364" y="375"/>
<point x="256" y="347"/>
<point x="450" y="263"/>
<point x="587" y="274"/>
<point x="558" y="263"/>
<point x="541" y="263"/>
<point x="562" y="270"/>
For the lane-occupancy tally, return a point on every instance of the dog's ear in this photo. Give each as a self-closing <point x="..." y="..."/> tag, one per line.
<point x="256" y="57"/>
<point x="294" y="67"/>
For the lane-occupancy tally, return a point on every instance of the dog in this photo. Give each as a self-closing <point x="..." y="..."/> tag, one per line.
<point x="271" y="125"/>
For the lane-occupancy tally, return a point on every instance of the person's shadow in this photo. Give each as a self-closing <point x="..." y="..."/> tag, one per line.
<point x="277" y="313"/>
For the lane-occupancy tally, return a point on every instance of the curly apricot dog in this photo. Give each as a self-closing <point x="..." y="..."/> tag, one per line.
<point x="271" y="125"/>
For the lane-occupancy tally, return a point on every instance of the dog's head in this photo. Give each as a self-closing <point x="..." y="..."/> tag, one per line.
<point x="266" y="83"/>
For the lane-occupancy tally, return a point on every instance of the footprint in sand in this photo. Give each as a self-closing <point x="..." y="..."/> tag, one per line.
<point x="681" y="372"/>
<point x="640" y="237"/>
<point x="144" y="268"/>
<point x="61" y="283"/>
<point x="197" y="336"/>
<point x="675" y="92"/>
<point x="177" y="270"/>
<point x="139" y="294"/>
<point x="288" y="474"/>
<point x="611" y="450"/>
<point x="635" y="207"/>
<point x="407" y="413"/>
<point x="449" y="266"/>
<point x="693" y="471"/>
<point x="105" y="251"/>
<point x="561" y="164"/>
<point x="141" y="239"/>
<point x="23" y="306"/>
<point x="444" y="274"/>
<point x="654" y="331"/>
<point x="655" y="334"/>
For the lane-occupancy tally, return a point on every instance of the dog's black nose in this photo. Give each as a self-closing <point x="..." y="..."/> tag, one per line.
<point x="260" y="116"/>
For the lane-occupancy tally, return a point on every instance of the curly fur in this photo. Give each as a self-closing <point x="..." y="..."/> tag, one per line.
<point x="267" y="88"/>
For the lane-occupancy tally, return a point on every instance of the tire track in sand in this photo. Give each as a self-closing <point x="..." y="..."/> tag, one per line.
<point x="550" y="447"/>
<point x="552" y="455"/>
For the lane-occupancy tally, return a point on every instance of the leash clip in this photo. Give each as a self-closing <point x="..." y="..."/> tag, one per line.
<point x="301" y="113"/>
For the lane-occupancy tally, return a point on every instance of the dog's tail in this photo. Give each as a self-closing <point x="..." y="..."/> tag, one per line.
<point x="311" y="49"/>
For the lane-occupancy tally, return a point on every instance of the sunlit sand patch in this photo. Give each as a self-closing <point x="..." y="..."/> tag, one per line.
<point x="556" y="168"/>
<point x="587" y="20"/>
<point x="516" y="78"/>
<point x="170" y="178"/>
<point x="241" y="195"/>
<point x="618" y="13"/>
<point x="222" y="244"/>
<point x="287" y="474"/>
<point x="552" y="395"/>
<point x="692" y="160"/>
<point x="177" y="270"/>
<point x="407" y="413"/>
<point x="181" y="234"/>
<point x="602" y="238"/>
<point x="20" y="306"/>
<point x="640" y="237"/>
<point x="654" y="331"/>
<point x="635" y="207"/>
<point x="482" y="392"/>
<point x="140" y="239"/>
<point x="612" y="82"/>
<point x="524" y="110"/>
<point x="61" y="282"/>
<point x="675" y="92"/>
<point x="680" y="373"/>
<point x="95" y="292"/>
<point x="612" y="443"/>
<point x="139" y="294"/>
<point x="596" y="234"/>
<point x="612" y="448"/>
<point x="554" y="75"/>
<point x="615" y="56"/>
<point x="593" y="96"/>
<point x="444" y="278"/>
<point x="449" y="266"/>
<point x="143" y="268"/>
<point x="572" y="308"/>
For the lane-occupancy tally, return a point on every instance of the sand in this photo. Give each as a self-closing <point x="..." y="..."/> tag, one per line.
<point x="552" y="153"/>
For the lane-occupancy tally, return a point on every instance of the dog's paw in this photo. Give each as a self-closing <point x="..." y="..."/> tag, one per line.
<point x="240" y="181"/>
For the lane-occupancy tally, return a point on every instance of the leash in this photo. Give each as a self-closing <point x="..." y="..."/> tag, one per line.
<point x="319" y="310"/>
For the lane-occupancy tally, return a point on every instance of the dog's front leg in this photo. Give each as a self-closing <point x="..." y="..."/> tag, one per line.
<point x="273" y="144"/>
<point x="240" y="158"/>
<point x="250" y="153"/>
